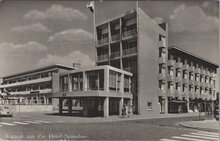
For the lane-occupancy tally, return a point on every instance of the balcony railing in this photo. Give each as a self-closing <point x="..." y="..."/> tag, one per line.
<point x="162" y="76"/>
<point x="116" y="37"/>
<point x="197" y="83"/>
<point x="170" y="77"/>
<point x="171" y="63"/>
<point x="202" y="72"/>
<point x="212" y="74"/>
<point x="185" y="81"/>
<point x="196" y="95"/>
<point x="162" y="60"/>
<point x="115" y="55"/>
<point x="161" y="92"/>
<point x="202" y="84"/>
<point x="191" y="82"/>
<point x="129" y="33"/>
<point x="191" y="69"/>
<point x="211" y="86"/>
<point x="179" y="65"/>
<point x="178" y="93"/>
<point x="185" y="67"/>
<point x="191" y="94"/>
<point x="162" y="43"/>
<point x="178" y="79"/>
<point x="28" y="92"/>
<point x="103" y="57"/>
<point x="129" y="51"/>
<point x="103" y="41"/>
<point x="207" y="73"/>
<point x="39" y="80"/>
<point x="197" y="70"/>
<point x="170" y="92"/>
<point x="207" y="85"/>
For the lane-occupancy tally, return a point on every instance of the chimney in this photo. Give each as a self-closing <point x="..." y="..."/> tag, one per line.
<point x="76" y="65"/>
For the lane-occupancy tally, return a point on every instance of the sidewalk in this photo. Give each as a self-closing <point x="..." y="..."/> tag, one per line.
<point x="206" y="125"/>
<point x="50" y="116"/>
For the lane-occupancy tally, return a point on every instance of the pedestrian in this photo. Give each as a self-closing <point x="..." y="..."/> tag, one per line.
<point x="126" y="111"/>
<point x="179" y="109"/>
<point x="123" y="111"/>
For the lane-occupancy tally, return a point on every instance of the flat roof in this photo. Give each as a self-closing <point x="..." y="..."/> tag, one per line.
<point x="93" y="68"/>
<point x="192" y="54"/>
<point x="116" y="17"/>
<point x="40" y="69"/>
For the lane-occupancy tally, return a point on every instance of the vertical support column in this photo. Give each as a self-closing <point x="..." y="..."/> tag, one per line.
<point x="45" y="100"/>
<point x="121" y="102"/>
<point x="70" y="86"/>
<point x="122" y="83"/>
<point x="121" y="63"/>
<point x="60" y="105"/>
<point x="37" y="98"/>
<point x="129" y="85"/>
<point x="84" y="81"/>
<point x="187" y="104"/>
<point x="131" y="106"/>
<point x="106" y="107"/>
<point x="166" y="104"/>
<point x="61" y="84"/>
<point x="70" y="103"/>
<point x="106" y="79"/>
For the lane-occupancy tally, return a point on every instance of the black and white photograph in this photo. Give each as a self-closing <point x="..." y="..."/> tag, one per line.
<point x="109" y="70"/>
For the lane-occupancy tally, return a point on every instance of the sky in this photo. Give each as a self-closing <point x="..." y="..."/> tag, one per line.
<point x="39" y="33"/>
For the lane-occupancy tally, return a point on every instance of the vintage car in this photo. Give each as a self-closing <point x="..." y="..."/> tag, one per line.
<point x="5" y="111"/>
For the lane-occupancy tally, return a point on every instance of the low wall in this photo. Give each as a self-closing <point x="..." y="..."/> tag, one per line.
<point x="31" y="108"/>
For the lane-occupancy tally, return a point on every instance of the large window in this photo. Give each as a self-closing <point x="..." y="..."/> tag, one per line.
<point x="64" y="83"/>
<point x="112" y="80"/>
<point x="96" y="80"/>
<point x="126" y="83"/>
<point x="77" y="81"/>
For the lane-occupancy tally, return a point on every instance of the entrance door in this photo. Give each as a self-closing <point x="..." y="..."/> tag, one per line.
<point x="113" y="107"/>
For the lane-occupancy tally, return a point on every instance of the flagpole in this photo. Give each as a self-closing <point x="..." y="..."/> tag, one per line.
<point x="94" y="26"/>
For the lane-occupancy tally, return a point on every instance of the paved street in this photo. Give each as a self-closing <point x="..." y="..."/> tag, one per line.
<point x="165" y="129"/>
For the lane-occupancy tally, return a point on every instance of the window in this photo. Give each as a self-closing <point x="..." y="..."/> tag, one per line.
<point x="126" y="83"/>
<point x="112" y="80"/>
<point x="65" y="84"/>
<point x="77" y="81"/>
<point x="149" y="106"/>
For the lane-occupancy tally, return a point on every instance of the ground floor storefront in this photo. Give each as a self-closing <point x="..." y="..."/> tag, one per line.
<point x="95" y="106"/>
<point x="184" y="105"/>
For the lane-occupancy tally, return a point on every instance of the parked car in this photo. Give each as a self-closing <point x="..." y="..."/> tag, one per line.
<point x="5" y="111"/>
<point x="216" y="112"/>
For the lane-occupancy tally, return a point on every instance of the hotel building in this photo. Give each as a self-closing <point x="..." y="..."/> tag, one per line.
<point x="32" y="87"/>
<point x="164" y="79"/>
<point x="135" y="67"/>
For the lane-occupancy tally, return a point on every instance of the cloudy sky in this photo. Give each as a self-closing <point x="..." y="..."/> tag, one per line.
<point x="38" y="33"/>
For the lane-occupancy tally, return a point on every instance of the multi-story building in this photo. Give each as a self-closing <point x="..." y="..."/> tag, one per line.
<point x="160" y="82"/>
<point x="188" y="79"/>
<point x="32" y="87"/>
<point x="132" y="42"/>
<point x="95" y="91"/>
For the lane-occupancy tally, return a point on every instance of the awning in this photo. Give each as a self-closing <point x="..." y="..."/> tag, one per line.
<point x="176" y="101"/>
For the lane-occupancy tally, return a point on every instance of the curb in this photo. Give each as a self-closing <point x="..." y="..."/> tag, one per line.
<point x="197" y="128"/>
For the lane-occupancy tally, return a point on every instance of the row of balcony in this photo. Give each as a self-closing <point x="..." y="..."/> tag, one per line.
<point x="176" y="93"/>
<point x="117" y="37"/>
<point x="38" y="91"/>
<point x="40" y="80"/>
<point x="187" y="67"/>
<point x="184" y="80"/>
<point x="126" y="52"/>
